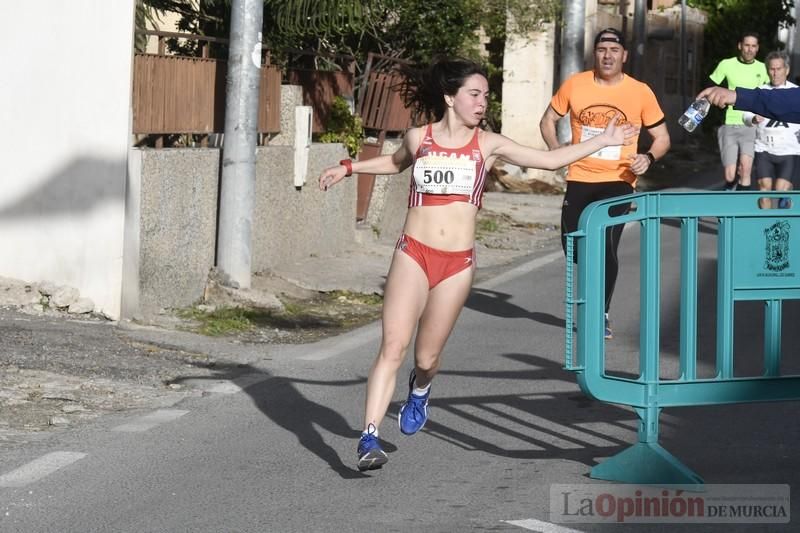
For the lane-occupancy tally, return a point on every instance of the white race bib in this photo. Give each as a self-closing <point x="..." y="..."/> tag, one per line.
<point x="610" y="153"/>
<point x="444" y="175"/>
<point x="780" y="140"/>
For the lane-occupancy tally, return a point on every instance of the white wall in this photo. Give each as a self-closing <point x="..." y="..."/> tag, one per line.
<point x="64" y="107"/>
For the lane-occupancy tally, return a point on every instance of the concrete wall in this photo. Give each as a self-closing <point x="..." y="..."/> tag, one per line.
<point x="527" y="90"/>
<point x="171" y="228"/>
<point x="291" y="223"/>
<point x="172" y="217"/>
<point x="389" y="203"/>
<point x="65" y="108"/>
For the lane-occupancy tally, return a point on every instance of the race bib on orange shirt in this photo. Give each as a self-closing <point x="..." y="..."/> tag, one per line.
<point x="444" y="175"/>
<point x="609" y="153"/>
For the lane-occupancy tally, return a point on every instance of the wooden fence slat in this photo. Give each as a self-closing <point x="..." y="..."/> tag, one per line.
<point x="382" y="107"/>
<point x="173" y="94"/>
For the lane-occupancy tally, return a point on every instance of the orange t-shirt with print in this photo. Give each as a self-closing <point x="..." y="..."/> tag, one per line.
<point x="591" y="106"/>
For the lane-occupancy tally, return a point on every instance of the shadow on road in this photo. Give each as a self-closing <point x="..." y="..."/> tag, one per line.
<point x="280" y="400"/>
<point x="555" y="425"/>
<point x="496" y="303"/>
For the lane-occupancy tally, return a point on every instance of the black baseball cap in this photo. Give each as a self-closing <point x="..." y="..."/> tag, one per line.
<point x="609" y="35"/>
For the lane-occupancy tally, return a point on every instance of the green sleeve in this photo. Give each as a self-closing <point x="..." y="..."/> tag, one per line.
<point x="719" y="73"/>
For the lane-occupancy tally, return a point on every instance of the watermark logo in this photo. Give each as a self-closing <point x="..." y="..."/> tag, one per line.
<point x="716" y="504"/>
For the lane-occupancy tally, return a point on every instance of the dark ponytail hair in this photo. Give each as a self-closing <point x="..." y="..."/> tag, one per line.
<point x="425" y="89"/>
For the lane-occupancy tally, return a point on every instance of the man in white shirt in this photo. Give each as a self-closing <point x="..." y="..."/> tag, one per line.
<point x="777" y="144"/>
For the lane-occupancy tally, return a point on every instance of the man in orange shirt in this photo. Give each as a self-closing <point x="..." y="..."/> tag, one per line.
<point x="592" y="98"/>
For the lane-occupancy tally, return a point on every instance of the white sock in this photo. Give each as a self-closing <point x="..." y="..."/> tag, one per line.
<point x="421" y="391"/>
<point x="371" y="430"/>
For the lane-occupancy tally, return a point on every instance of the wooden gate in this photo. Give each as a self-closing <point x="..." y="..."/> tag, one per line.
<point x="381" y="109"/>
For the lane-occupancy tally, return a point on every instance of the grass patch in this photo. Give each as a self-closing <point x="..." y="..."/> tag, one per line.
<point x="488" y="225"/>
<point x="328" y="312"/>
<point x="223" y="321"/>
<point x="356" y="297"/>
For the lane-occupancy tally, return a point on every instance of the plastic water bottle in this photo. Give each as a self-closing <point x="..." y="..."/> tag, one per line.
<point x="693" y="116"/>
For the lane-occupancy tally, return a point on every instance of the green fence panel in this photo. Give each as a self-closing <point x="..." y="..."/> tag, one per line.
<point x="758" y="258"/>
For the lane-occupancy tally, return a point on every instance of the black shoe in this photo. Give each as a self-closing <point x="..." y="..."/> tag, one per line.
<point x="730" y="186"/>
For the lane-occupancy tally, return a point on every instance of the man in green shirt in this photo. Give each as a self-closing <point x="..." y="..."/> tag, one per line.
<point x="735" y="139"/>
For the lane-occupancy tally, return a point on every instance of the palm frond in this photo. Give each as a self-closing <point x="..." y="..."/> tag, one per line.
<point x="320" y="16"/>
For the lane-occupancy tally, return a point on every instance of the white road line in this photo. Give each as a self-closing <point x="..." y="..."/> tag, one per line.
<point x="542" y="527"/>
<point x="346" y="343"/>
<point x="520" y="270"/>
<point x="39" y="468"/>
<point x="152" y="420"/>
<point x="371" y="333"/>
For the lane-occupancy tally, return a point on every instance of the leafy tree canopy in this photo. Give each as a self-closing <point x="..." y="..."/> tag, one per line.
<point x="415" y="30"/>
<point x="728" y="19"/>
<point x="412" y="30"/>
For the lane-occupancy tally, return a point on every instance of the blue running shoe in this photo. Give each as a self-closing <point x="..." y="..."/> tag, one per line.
<point x="784" y="203"/>
<point x="370" y="453"/>
<point x="608" y="334"/>
<point x="414" y="412"/>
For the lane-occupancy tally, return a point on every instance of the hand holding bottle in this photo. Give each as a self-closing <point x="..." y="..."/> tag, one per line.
<point x="695" y="114"/>
<point x="718" y="96"/>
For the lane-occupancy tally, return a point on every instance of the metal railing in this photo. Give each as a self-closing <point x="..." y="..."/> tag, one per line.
<point x="757" y="260"/>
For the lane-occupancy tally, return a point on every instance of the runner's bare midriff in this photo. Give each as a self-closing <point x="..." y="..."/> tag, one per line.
<point x="448" y="227"/>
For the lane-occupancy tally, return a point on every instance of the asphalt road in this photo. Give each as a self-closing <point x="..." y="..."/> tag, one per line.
<point x="275" y="450"/>
<point x="270" y="445"/>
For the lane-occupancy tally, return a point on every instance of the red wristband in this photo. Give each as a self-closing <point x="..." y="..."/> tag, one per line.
<point x="348" y="164"/>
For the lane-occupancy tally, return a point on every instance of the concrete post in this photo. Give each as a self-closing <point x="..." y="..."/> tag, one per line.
<point x="639" y="37"/>
<point x="237" y="187"/>
<point x="793" y="43"/>
<point x="682" y="62"/>
<point x="572" y="50"/>
<point x="527" y="90"/>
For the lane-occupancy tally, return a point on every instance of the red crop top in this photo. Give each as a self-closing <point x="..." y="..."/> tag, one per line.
<point x="442" y="175"/>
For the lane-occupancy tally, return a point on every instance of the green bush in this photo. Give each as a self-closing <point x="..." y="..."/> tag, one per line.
<point x="343" y="127"/>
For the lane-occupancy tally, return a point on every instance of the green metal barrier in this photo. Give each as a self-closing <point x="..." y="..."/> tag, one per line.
<point x="758" y="258"/>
